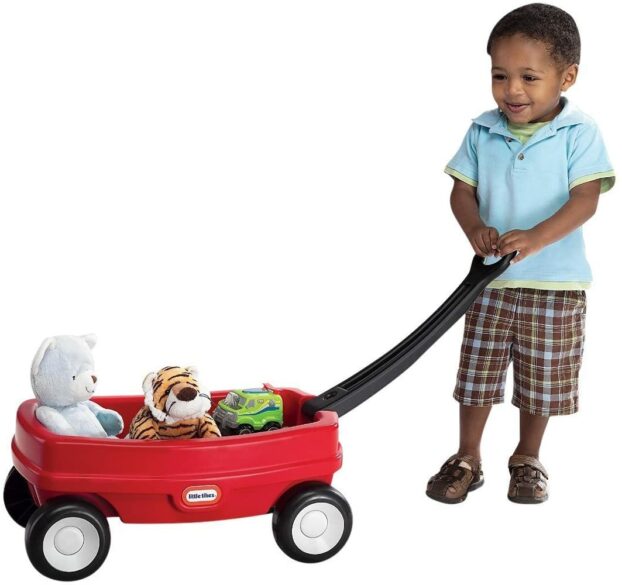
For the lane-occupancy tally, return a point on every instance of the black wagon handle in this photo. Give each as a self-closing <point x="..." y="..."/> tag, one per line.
<point x="364" y="384"/>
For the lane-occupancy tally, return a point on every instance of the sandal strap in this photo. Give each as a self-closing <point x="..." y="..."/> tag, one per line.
<point x="453" y="472"/>
<point x="471" y="463"/>
<point x="517" y="461"/>
<point x="455" y="468"/>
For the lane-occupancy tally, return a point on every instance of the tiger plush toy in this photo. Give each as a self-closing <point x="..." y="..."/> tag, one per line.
<point x="174" y="407"/>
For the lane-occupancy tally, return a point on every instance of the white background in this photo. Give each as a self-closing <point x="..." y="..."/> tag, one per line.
<point x="256" y="188"/>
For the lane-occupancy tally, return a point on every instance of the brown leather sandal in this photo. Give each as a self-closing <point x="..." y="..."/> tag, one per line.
<point x="527" y="480"/>
<point x="462" y="473"/>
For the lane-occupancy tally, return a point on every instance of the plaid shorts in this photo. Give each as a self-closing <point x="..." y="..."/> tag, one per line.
<point x="541" y="331"/>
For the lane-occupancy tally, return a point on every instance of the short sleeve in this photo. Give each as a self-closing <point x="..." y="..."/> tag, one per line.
<point x="588" y="159"/>
<point x="464" y="163"/>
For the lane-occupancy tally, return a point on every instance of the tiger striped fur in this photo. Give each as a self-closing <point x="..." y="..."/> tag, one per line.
<point x="174" y="407"/>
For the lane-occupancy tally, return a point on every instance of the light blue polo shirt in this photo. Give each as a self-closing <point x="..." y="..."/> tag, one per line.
<point x="521" y="185"/>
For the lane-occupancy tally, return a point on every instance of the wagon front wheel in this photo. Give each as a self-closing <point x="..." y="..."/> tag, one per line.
<point x="67" y="539"/>
<point x="312" y="523"/>
<point x="18" y="500"/>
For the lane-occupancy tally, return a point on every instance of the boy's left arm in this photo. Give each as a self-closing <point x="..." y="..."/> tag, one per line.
<point x="579" y="208"/>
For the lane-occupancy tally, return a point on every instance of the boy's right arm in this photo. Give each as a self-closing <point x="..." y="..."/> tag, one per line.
<point x="464" y="205"/>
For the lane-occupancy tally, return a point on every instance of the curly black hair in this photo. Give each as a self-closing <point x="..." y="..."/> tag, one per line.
<point x="546" y="23"/>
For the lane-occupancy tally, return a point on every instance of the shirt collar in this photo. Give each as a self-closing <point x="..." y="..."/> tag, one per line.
<point x="496" y="121"/>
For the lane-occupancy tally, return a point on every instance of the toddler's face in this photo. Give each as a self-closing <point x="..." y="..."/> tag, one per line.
<point x="526" y="82"/>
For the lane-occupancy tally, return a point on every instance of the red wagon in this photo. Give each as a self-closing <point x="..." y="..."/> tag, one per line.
<point x="62" y="488"/>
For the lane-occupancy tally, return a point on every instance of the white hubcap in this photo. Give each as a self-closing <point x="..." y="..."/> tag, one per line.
<point x="314" y="524"/>
<point x="318" y="528"/>
<point x="68" y="540"/>
<point x="71" y="544"/>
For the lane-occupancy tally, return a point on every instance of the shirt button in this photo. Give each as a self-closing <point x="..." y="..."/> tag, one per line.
<point x="521" y="156"/>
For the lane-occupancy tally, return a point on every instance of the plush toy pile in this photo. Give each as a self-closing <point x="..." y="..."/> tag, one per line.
<point x="174" y="407"/>
<point x="63" y="380"/>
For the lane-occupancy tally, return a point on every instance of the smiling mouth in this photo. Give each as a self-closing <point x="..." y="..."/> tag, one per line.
<point x="515" y="107"/>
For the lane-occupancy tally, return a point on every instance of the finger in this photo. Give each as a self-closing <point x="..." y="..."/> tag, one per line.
<point x="494" y="239"/>
<point x="478" y="242"/>
<point x="505" y="237"/>
<point x="517" y="258"/>
<point x="492" y="235"/>
<point x="476" y="248"/>
<point x="487" y="241"/>
<point x="510" y="245"/>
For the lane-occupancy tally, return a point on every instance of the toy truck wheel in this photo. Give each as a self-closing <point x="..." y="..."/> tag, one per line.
<point x="245" y="430"/>
<point x="312" y="523"/>
<point x="18" y="500"/>
<point x="271" y="426"/>
<point x="67" y="539"/>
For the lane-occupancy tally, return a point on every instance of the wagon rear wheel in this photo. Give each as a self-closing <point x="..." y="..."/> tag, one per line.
<point x="67" y="539"/>
<point x="18" y="500"/>
<point x="312" y="523"/>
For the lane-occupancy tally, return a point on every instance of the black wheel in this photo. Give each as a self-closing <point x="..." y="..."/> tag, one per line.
<point x="272" y="426"/>
<point x="67" y="539"/>
<point x="245" y="430"/>
<point x="17" y="498"/>
<point x="312" y="523"/>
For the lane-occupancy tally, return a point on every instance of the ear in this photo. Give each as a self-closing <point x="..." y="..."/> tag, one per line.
<point x="48" y="343"/>
<point x="91" y="339"/>
<point x="193" y="370"/>
<point x="569" y="77"/>
<point x="148" y="388"/>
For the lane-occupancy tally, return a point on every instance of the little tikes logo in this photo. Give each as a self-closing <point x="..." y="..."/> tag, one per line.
<point x="201" y="495"/>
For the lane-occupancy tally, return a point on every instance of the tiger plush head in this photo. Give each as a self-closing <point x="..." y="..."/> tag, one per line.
<point x="172" y="394"/>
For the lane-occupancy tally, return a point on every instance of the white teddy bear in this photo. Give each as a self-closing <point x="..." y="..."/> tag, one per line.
<point x="63" y="379"/>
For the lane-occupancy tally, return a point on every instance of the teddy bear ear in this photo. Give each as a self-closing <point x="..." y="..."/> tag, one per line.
<point x="193" y="370"/>
<point x="48" y="343"/>
<point x="91" y="339"/>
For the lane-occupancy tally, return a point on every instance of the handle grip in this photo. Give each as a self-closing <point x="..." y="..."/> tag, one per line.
<point x="480" y="271"/>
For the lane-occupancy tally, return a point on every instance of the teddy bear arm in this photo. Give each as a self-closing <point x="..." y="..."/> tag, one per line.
<point x="54" y="420"/>
<point x="110" y="420"/>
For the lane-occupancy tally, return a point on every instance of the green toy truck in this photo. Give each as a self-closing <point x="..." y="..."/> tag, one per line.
<point x="248" y="411"/>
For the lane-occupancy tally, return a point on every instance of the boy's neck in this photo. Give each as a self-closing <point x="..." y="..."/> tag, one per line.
<point x="526" y="124"/>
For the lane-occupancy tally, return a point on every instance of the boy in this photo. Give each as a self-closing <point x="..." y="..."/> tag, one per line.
<point x="526" y="177"/>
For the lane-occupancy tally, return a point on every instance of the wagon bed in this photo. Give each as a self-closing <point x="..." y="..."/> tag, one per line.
<point x="147" y="481"/>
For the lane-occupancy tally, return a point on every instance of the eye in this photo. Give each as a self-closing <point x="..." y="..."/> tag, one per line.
<point x="73" y="377"/>
<point x="498" y="77"/>
<point x="530" y="78"/>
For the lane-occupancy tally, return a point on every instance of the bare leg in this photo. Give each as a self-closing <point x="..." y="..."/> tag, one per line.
<point x="532" y="427"/>
<point x="451" y="484"/>
<point x="472" y="422"/>
<point x="528" y="479"/>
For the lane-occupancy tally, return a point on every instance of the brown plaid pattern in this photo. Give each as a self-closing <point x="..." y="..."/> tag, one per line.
<point x="541" y="331"/>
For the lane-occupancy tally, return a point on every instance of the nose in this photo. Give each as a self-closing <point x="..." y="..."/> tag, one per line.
<point x="94" y="379"/>
<point x="187" y="394"/>
<point x="514" y="87"/>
